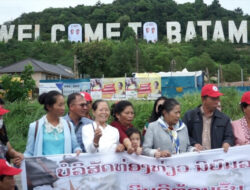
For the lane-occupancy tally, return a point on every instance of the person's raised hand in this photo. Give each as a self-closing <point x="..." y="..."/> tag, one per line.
<point x="97" y="135"/>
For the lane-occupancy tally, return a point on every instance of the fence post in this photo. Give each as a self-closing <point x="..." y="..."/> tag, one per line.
<point x="242" y="77"/>
<point x="218" y="79"/>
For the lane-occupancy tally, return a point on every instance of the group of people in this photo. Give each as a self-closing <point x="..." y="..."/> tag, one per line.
<point x="165" y="134"/>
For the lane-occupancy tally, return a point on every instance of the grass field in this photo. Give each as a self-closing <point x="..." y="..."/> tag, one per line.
<point x="25" y="112"/>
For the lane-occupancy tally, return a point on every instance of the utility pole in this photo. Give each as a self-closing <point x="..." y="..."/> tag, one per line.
<point x="173" y="64"/>
<point x="137" y="54"/>
<point x="76" y="61"/>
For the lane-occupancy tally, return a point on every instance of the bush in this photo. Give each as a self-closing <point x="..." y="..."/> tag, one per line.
<point x="17" y="88"/>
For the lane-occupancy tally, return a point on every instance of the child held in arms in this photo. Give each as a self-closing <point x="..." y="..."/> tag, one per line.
<point x="135" y="137"/>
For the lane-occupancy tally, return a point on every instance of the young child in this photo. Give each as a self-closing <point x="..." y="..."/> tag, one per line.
<point x="135" y="137"/>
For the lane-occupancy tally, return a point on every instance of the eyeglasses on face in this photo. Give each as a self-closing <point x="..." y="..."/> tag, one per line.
<point x="82" y="105"/>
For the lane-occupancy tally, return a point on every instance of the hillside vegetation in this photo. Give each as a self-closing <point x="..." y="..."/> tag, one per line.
<point x="112" y="58"/>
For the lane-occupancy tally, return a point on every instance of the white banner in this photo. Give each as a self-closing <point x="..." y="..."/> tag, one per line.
<point x="48" y="86"/>
<point x="208" y="170"/>
<point x="71" y="87"/>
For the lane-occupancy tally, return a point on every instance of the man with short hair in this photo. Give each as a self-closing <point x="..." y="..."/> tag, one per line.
<point x="209" y="128"/>
<point x="88" y="98"/>
<point x="77" y="115"/>
<point x="7" y="173"/>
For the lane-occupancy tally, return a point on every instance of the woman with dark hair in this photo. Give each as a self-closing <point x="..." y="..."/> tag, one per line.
<point x="167" y="135"/>
<point x="51" y="134"/>
<point x="99" y="136"/>
<point x="123" y="114"/>
<point x="155" y="113"/>
<point x="241" y="127"/>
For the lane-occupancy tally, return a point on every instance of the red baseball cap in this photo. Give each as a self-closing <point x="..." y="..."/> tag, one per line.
<point x="3" y="111"/>
<point x="245" y="97"/>
<point x="7" y="169"/>
<point x="210" y="90"/>
<point x="87" y="96"/>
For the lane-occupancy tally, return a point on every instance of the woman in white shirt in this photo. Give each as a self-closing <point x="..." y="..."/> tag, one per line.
<point x="99" y="136"/>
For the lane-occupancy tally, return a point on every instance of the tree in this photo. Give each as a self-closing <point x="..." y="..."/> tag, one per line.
<point x="223" y="52"/>
<point x="232" y="72"/>
<point x="122" y="59"/>
<point x="17" y="88"/>
<point x="238" y="11"/>
<point x="201" y="63"/>
<point x="28" y="82"/>
<point x="128" y="33"/>
<point x="93" y="57"/>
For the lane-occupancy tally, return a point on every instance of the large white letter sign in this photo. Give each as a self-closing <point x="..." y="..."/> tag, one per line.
<point x="190" y="32"/>
<point x="135" y="26"/>
<point x="92" y="36"/>
<point x="233" y="32"/>
<point x="37" y="32"/>
<point x="204" y="25"/>
<point x="218" y="31"/>
<point x="173" y="29"/>
<point x="21" y="34"/>
<point x="109" y="27"/>
<point x="4" y="34"/>
<point x="54" y="28"/>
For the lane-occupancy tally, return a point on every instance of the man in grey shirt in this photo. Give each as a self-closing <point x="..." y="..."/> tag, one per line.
<point x="77" y="115"/>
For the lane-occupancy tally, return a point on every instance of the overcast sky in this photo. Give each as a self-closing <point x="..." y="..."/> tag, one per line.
<point x="11" y="9"/>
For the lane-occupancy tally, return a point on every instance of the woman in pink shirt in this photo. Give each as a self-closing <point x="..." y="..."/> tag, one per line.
<point x="241" y="127"/>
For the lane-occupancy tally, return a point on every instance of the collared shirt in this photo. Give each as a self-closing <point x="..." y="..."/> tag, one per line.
<point x="78" y="129"/>
<point x="206" y="135"/>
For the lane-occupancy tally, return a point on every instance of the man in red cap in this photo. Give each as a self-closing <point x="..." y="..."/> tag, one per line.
<point x="7" y="173"/>
<point x="209" y="128"/>
<point x="6" y="150"/>
<point x="88" y="98"/>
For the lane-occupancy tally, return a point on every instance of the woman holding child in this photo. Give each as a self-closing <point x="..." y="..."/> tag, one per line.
<point x="123" y="113"/>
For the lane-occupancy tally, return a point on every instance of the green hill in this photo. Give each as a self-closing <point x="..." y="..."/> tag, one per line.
<point x="114" y="58"/>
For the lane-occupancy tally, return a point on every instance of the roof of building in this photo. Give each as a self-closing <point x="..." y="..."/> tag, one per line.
<point x="39" y="66"/>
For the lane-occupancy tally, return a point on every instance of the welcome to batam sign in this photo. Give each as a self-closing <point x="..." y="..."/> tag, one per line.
<point x="236" y="33"/>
